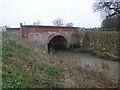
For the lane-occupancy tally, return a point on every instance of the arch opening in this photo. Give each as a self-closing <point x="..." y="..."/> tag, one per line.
<point x="57" y="43"/>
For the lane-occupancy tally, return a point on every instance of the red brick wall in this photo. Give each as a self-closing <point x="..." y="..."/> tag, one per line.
<point x="27" y="30"/>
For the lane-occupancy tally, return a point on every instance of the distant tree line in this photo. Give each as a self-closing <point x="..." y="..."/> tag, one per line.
<point x="59" y="22"/>
<point x="56" y="22"/>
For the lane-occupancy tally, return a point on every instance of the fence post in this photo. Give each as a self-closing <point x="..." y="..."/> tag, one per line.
<point x="21" y="30"/>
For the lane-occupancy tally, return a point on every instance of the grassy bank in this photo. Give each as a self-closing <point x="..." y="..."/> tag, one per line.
<point x="101" y="43"/>
<point x="28" y="66"/>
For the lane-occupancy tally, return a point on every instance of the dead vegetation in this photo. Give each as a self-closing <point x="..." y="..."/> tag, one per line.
<point x="90" y="77"/>
<point x="28" y="66"/>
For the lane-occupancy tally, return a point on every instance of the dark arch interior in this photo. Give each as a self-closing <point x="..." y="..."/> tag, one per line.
<point x="57" y="43"/>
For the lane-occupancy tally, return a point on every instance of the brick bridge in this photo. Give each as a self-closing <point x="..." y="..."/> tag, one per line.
<point x="49" y="36"/>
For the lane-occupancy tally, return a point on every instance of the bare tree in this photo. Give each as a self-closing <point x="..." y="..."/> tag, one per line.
<point x="58" y="22"/>
<point x="36" y="23"/>
<point x="70" y="24"/>
<point x="108" y="8"/>
<point x="3" y="28"/>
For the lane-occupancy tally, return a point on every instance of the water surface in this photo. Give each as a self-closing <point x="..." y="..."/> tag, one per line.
<point x="85" y="58"/>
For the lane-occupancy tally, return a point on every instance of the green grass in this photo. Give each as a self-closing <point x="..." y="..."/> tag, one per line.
<point x="20" y="63"/>
<point x="28" y="66"/>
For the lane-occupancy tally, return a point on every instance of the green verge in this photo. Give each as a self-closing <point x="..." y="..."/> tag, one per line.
<point x="24" y="65"/>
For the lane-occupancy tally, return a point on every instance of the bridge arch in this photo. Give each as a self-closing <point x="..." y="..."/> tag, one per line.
<point x="58" y="42"/>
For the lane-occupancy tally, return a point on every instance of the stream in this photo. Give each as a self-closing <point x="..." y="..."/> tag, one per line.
<point x="86" y="58"/>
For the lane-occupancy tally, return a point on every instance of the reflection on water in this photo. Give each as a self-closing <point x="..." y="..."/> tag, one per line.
<point x="85" y="58"/>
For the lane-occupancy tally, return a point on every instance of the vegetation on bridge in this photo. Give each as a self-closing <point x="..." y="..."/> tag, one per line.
<point x="27" y="66"/>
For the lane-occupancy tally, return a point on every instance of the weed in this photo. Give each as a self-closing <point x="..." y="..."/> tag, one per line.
<point x="12" y="80"/>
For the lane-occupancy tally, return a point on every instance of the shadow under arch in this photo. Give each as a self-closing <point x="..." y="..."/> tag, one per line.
<point x="57" y="43"/>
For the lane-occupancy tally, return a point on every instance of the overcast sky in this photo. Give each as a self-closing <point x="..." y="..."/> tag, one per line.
<point x="80" y="12"/>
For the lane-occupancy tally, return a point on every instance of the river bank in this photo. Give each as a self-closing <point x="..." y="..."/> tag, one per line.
<point x="80" y="50"/>
<point x="87" y="59"/>
<point x="103" y="44"/>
